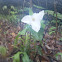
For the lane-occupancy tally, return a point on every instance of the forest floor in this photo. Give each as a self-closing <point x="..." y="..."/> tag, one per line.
<point x="51" y="43"/>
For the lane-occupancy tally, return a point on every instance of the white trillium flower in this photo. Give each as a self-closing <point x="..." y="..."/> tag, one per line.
<point x="34" y="20"/>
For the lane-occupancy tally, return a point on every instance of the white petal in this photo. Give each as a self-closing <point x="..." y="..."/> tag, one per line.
<point x="35" y="26"/>
<point x="34" y="20"/>
<point x="35" y="16"/>
<point x="37" y="19"/>
<point x="27" y="19"/>
<point x="38" y="16"/>
<point x="41" y="14"/>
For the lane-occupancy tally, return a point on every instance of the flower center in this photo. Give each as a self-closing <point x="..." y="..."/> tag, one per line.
<point x="33" y="19"/>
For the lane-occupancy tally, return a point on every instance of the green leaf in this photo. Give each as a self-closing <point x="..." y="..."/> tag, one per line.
<point x="38" y="7"/>
<point x="3" y="50"/>
<point x="4" y="7"/>
<point x="20" y="33"/>
<point x="38" y="48"/>
<point x="25" y="57"/>
<point x="13" y="13"/>
<point x="30" y="11"/>
<point x="59" y="53"/>
<point x="60" y="39"/>
<point x="27" y="38"/>
<point x="16" y="57"/>
<point x="12" y="7"/>
<point x="40" y="33"/>
<point x="54" y="21"/>
<point x="36" y="35"/>
<point x="52" y="28"/>
<point x="59" y="16"/>
<point x="42" y="24"/>
<point x="51" y="32"/>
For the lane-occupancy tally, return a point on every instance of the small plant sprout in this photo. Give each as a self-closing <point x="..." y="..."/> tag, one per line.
<point x="34" y="20"/>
